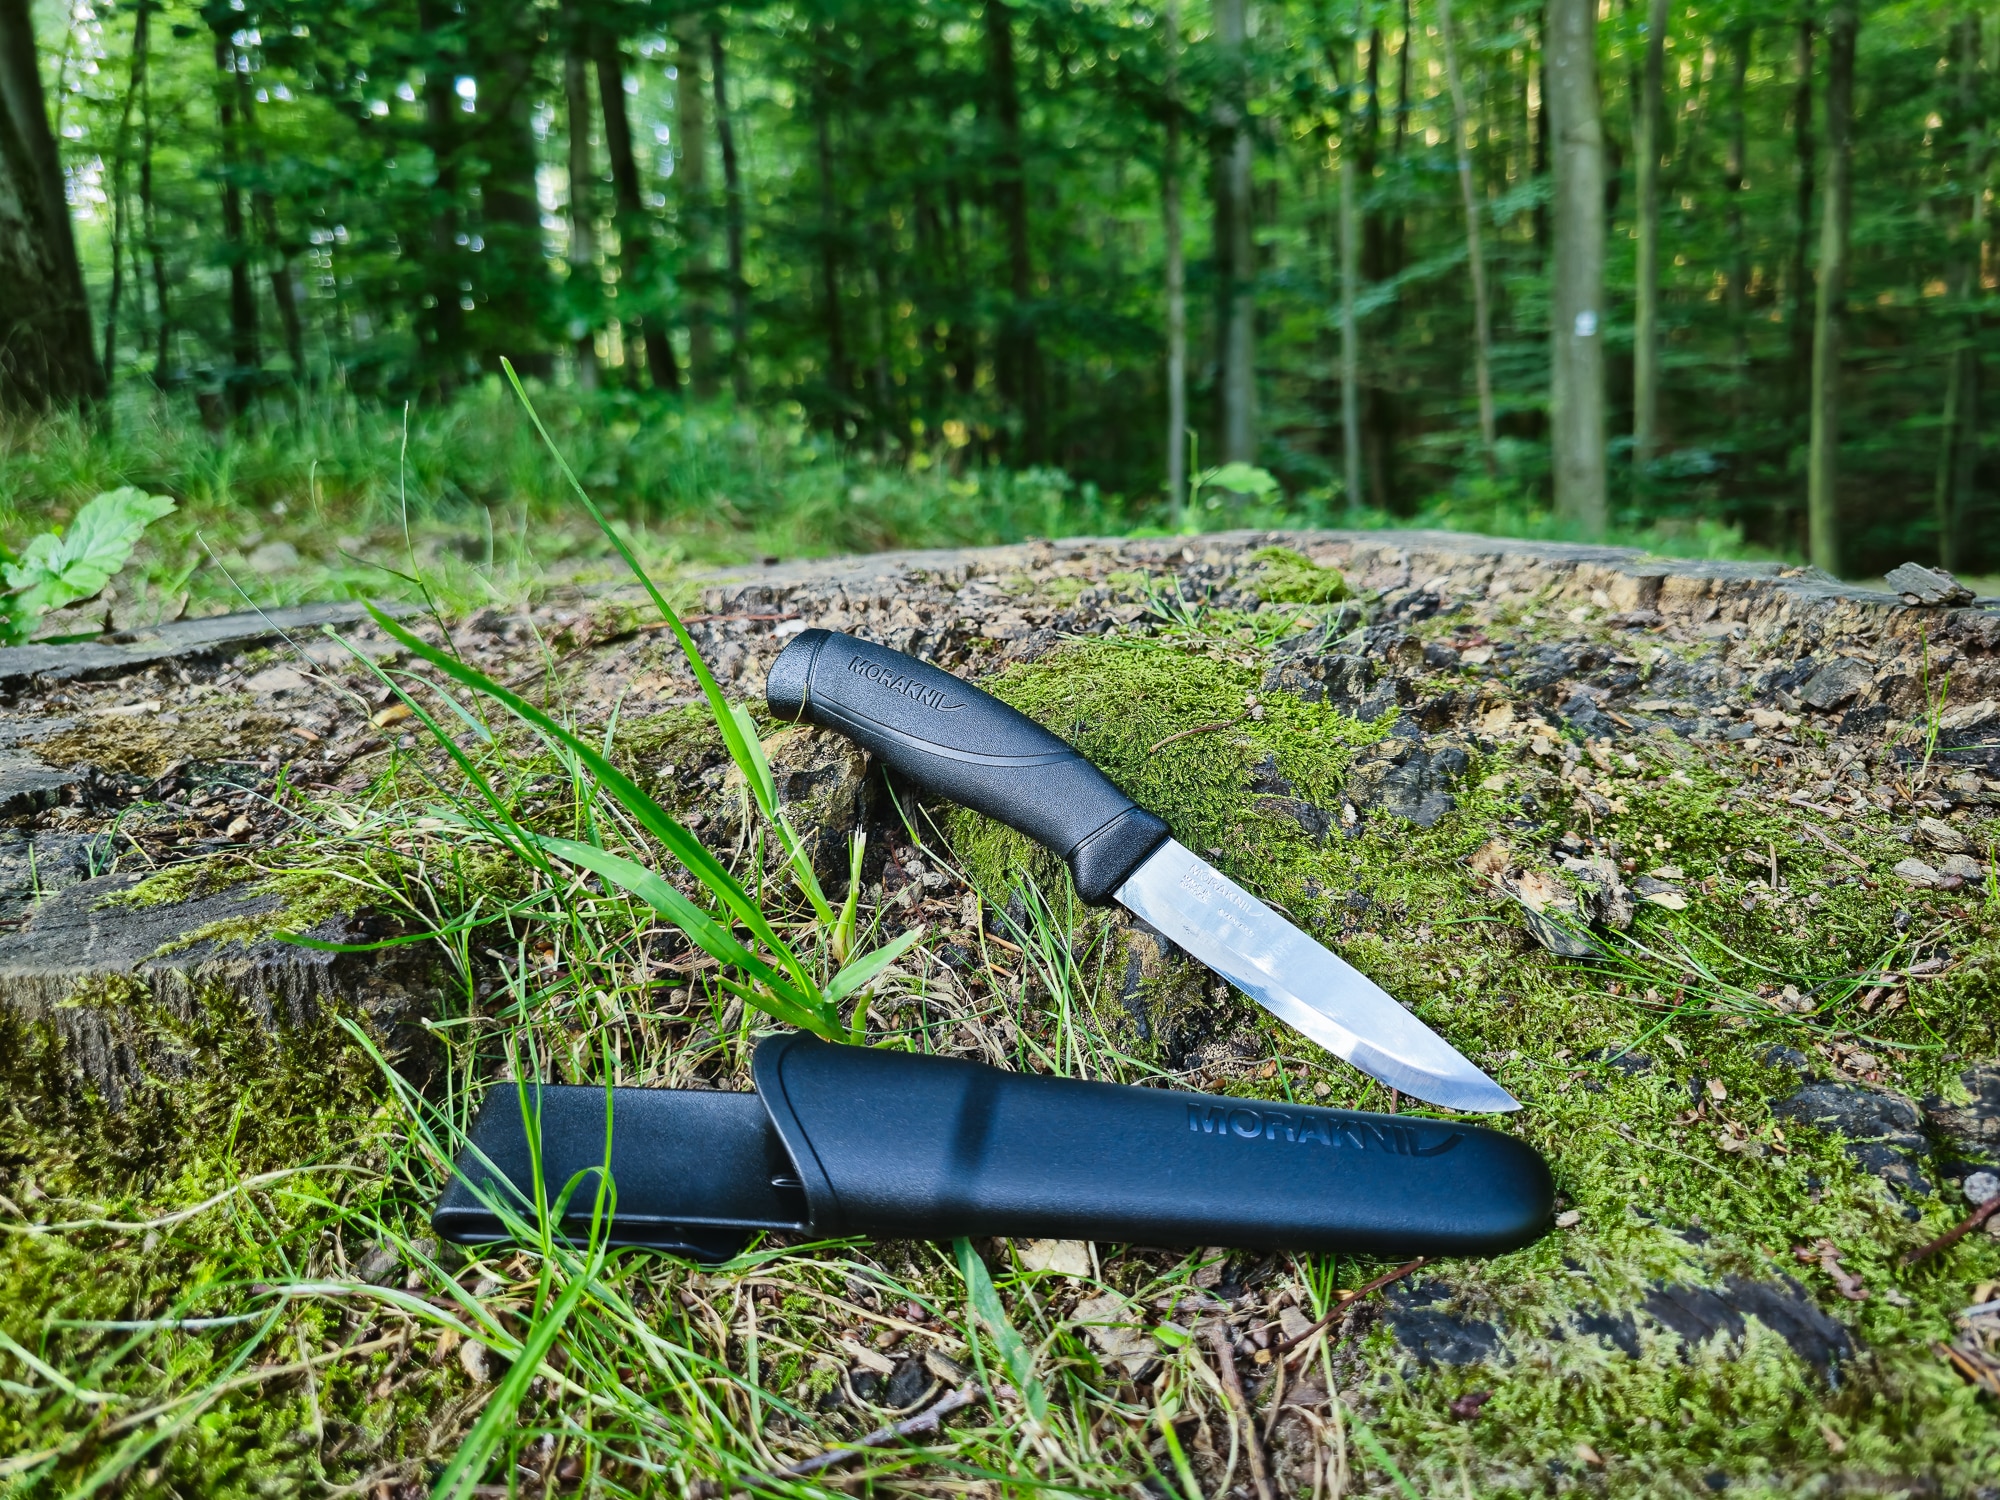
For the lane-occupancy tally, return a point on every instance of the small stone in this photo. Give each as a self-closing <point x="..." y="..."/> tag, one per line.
<point x="472" y="1359"/>
<point x="279" y="681"/>
<point x="1980" y="1187"/>
<point x="273" y="557"/>
<point x="1110" y="1324"/>
<point x="1836" y="684"/>
<point x="1916" y="872"/>
<point x="1964" y="866"/>
<point x="1920" y="585"/>
<point x="1941" y="836"/>
<point x="1569" y="1218"/>
<point x="1063" y="1257"/>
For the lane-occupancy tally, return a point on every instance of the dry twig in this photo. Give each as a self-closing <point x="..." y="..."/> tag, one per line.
<point x="924" y="1421"/>
<point x="1239" y="1409"/>
<point x="1347" y="1300"/>
<point x="1198" y="729"/>
<point x="1951" y="1237"/>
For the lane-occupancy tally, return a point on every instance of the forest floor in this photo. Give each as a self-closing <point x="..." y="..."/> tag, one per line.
<point x="1699" y="864"/>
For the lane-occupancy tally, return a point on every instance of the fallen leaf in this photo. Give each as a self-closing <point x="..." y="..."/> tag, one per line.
<point x="1716" y="1091"/>
<point x="1569" y="1219"/>
<point x="395" y="713"/>
<point x="1586" y="1454"/>
<point x="867" y="1358"/>
<point x="1064" y="1257"/>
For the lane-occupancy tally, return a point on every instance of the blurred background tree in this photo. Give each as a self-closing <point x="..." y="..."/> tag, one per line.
<point x="940" y="231"/>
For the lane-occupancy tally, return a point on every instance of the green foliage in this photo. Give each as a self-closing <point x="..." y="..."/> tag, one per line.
<point x="65" y="566"/>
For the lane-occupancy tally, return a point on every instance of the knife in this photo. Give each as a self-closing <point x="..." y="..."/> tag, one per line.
<point x="867" y="1140"/>
<point x="954" y="741"/>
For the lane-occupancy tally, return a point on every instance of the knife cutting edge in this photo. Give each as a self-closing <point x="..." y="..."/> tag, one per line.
<point x="955" y="741"/>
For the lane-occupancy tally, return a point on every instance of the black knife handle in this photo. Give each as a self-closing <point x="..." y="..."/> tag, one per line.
<point x="959" y="743"/>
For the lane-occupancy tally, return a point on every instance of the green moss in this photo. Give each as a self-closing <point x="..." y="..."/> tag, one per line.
<point x="1287" y="577"/>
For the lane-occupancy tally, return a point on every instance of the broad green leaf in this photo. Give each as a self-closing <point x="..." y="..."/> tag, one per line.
<point x="858" y="974"/>
<point x="985" y="1303"/>
<point x="1240" y="479"/>
<point x="56" y="570"/>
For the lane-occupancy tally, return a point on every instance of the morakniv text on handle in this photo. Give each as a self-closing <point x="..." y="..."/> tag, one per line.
<point x="957" y="742"/>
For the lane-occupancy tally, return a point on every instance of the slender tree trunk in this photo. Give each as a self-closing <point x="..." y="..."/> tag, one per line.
<point x="283" y="296"/>
<point x="46" y="352"/>
<point x="1482" y="327"/>
<point x="644" y="326"/>
<point x="584" y="299"/>
<point x="149" y="227"/>
<point x="441" y="322"/>
<point x="1576" y="397"/>
<point x="1235" y="241"/>
<point x="1836" y="214"/>
<point x="240" y="382"/>
<point x="515" y="280"/>
<point x="733" y="207"/>
<point x="1020" y="373"/>
<point x="1176" y="271"/>
<point x="691" y="178"/>
<point x="121" y="233"/>
<point x="1350" y="328"/>
<point x="1799" y="315"/>
<point x="1958" y="445"/>
<point x="829" y="234"/>
<point x="1740" y="46"/>
<point x="1646" y="311"/>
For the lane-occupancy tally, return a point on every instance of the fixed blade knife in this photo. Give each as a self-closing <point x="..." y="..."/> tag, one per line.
<point x="952" y="740"/>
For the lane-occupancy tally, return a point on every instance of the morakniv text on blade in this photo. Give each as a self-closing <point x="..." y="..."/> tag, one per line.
<point x="957" y="742"/>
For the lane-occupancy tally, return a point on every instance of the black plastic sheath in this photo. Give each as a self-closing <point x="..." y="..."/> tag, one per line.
<point x="951" y="739"/>
<point x="856" y="1140"/>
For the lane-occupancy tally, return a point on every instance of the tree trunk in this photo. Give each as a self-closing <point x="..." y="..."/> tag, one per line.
<point x="46" y="353"/>
<point x="584" y="298"/>
<point x="1732" y="182"/>
<point x="1482" y="327"/>
<point x="441" y="322"/>
<point x="1350" y="329"/>
<point x="1958" y="445"/>
<point x="732" y="188"/>
<point x="516" y="279"/>
<point x="283" y="295"/>
<point x="240" y="382"/>
<point x="1020" y="354"/>
<point x="1646" y="311"/>
<point x="1576" y="396"/>
<point x="644" y="326"/>
<point x="1235" y="244"/>
<point x="829" y="233"/>
<point x="1836" y="214"/>
<point x="1799" y="315"/>
<point x="121" y="151"/>
<point x="1176" y="273"/>
<point x="691" y="180"/>
<point x="150" y="228"/>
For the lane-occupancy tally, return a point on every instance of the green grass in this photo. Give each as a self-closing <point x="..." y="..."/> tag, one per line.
<point x="349" y="499"/>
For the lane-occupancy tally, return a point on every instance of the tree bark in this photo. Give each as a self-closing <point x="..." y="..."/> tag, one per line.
<point x="644" y="326"/>
<point x="46" y="352"/>
<point x="829" y="233"/>
<point x="149" y="227"/>
<point x="584" y="298"/>
<point x="441" y="323"/>
<point x="516" y="282"/>
<point x="1740" y="46"/>
<point x="1020" y="375"/>
<point x="1576" y="396"/>
<point x="1958" y="445"/>
<point x="121" y="151"/>
<point x="1836" y="214"/>
<point x="1799" y="314"/>
<point x="240" y="383"/>
<point x="1482" y="326"/>
<point x="1235" y="243"/>
<point x="1176" y="276"/>
<point x="1646" y="148"/>
<point x="732" y="188"/>
<point x="691" y="179"/>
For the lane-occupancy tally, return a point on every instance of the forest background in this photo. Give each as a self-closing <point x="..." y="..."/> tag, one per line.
<point x="1713" y="277"/>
